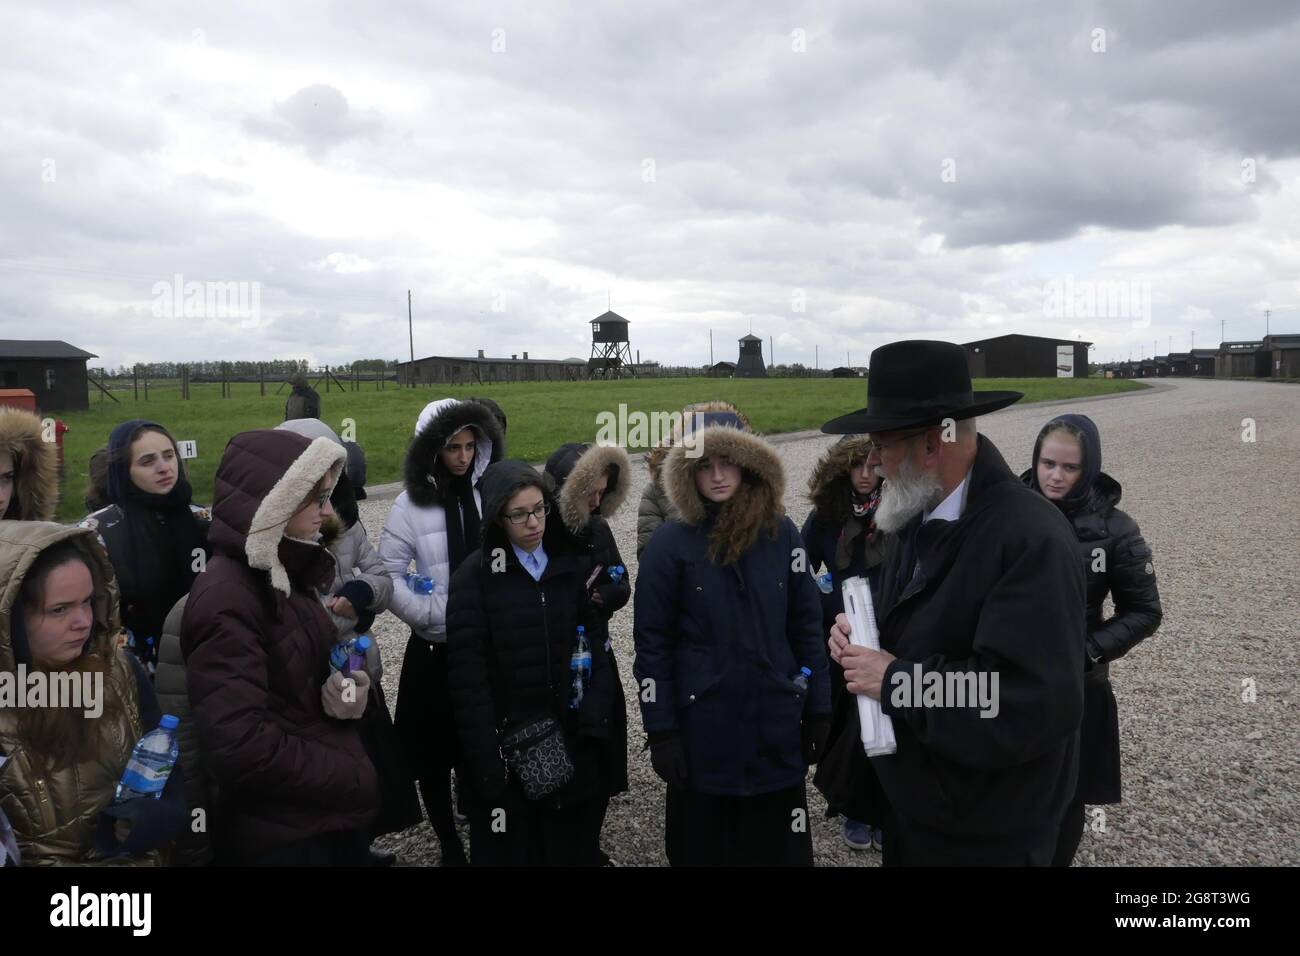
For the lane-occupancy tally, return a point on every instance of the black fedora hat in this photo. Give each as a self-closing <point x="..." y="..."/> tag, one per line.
<point x="917" y="383"/>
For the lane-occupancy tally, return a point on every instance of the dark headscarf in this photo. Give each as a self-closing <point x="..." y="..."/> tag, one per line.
<point x="164" y="531"/>
<point x="1090" y="445"/>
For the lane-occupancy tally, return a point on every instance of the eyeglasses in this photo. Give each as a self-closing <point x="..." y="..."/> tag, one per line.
<point x="880" y="447"/>
<point x="519" y="517"/>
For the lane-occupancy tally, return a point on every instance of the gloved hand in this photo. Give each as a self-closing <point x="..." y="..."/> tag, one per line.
<point x="668" y="757"/>
<point x="344" y="702"/>
<point x="816" y="728"/>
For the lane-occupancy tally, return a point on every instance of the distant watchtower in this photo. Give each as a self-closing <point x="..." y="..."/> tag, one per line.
<point x="750" y="364"/>
<point x="611" y="355"/>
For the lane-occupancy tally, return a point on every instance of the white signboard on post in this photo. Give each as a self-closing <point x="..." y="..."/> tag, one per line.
<point x="1065" y="361"/>
<point x="188" y="449"/>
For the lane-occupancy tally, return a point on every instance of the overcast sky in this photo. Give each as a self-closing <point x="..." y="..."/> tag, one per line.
<point x="835" y="175"/>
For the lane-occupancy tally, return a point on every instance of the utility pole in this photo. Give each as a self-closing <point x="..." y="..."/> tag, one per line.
<point x="817" y="361"/>
<point x="1221" y="323"/>
<point x="410" y="331"/>
<point x="710" y="348"/>
<point x="1193" y="340"/>
<point x="771" y="351"/>
<point x="1267" y="314"/>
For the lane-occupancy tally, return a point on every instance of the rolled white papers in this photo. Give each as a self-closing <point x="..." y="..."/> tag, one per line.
<point x="877" y="728"/>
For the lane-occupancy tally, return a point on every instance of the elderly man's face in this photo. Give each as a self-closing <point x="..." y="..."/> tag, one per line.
<point x="909" y="489"/>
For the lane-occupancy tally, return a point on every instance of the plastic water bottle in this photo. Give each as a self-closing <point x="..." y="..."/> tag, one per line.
<point x="339" y="654"/>
<point x="418" y="584"/>
<point x="824" y="583"/>
<point x="579" y="668"/>
<point x="801" y="679"/>
<point x="151" y="762"/>
<point x="616" y="573"/>
<point x="357" y="655"/>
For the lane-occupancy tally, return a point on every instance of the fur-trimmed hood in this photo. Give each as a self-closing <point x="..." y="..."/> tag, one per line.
<point x="439" y="421"/>
<point x="654" y="458"/>
<point x="36" y="479"/>
<point x="575" y="469"/>
<point x="263" y="477"/>
<point x="751" y="453"/>
<point x="828" y="488"/>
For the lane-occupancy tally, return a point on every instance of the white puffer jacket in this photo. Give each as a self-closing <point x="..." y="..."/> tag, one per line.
<point x="416" y="529"/>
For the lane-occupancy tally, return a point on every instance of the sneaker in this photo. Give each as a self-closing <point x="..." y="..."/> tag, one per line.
<point x="856" y="834"/>
<point x="877" y="839"/>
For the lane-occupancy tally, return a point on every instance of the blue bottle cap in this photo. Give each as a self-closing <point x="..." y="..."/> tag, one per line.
<point x="806" y="671"/>
<point x="581" y="629"/>
<point x="363" y="643"/>
<point x="169" y="722"/>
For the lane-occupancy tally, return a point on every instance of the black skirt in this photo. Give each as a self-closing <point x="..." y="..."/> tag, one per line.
<point x="771" y="829"/>
<point x="1099" y="758"/>
<point x="399" y="807"/>
<point x="424" y="720"/>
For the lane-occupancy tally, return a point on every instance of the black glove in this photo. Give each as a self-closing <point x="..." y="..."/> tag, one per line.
<point x="668" y="757"/>
<point x="816" y="728"/>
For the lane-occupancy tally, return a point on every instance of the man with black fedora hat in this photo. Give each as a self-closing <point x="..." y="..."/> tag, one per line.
<point x="981" y="618"/>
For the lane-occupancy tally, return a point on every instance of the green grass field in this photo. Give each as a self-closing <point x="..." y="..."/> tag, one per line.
<point x="542" y="415"/>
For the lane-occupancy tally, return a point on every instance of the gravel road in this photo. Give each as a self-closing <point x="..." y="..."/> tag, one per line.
<point x="1210" y="768"/>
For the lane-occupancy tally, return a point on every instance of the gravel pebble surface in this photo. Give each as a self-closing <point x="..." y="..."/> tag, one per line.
<point x="1210" y="776"/>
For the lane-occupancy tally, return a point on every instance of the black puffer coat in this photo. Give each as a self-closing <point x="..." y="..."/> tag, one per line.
<point x="575" y="470"/>
<point x="509" y="639"/>
<point x="1117" y="562"/>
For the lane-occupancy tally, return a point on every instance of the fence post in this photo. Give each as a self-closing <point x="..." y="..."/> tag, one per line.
<point x="261" y="377"/>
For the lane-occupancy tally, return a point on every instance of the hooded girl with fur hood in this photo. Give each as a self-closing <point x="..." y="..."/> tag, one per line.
<point x="655" y="508"/>
<point x="725" y="619"/>
<point x="435" y="523"/>
<point x="592" y="483"/>
<point x="278" y="732"/>
<point x="840" y="532"/>
<point x="60" y="765"/>
<point x="29" y="476"/>
<point x="362" y="590"/>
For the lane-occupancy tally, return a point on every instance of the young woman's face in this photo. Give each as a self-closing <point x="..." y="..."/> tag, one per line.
<point x="598" y="492"/>
<point x="1060" y="463"/>
<point x="458" y="453"/>
<point x="7" y="477"/>
<point x="305" y="525"/>
<point x="863" y="478"/>
<point x="154" y="467"/>
<point x="717" y="478"/>
<point x="527" y="534"/>
<point x="57" y="632"/>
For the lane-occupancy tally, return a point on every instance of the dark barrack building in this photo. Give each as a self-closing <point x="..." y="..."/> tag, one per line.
<point x="54" y="371"/>
<point x="1204" y="361"/>
<point x="1027" y="356"/>
<point x="1180" y="363"/>
<point x="1242" y="360"/>
<point x="462" y="370"/>
<point x="1283" y="355"/>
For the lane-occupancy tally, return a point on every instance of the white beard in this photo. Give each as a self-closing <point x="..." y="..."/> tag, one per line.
<point x="905" y="497"/>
